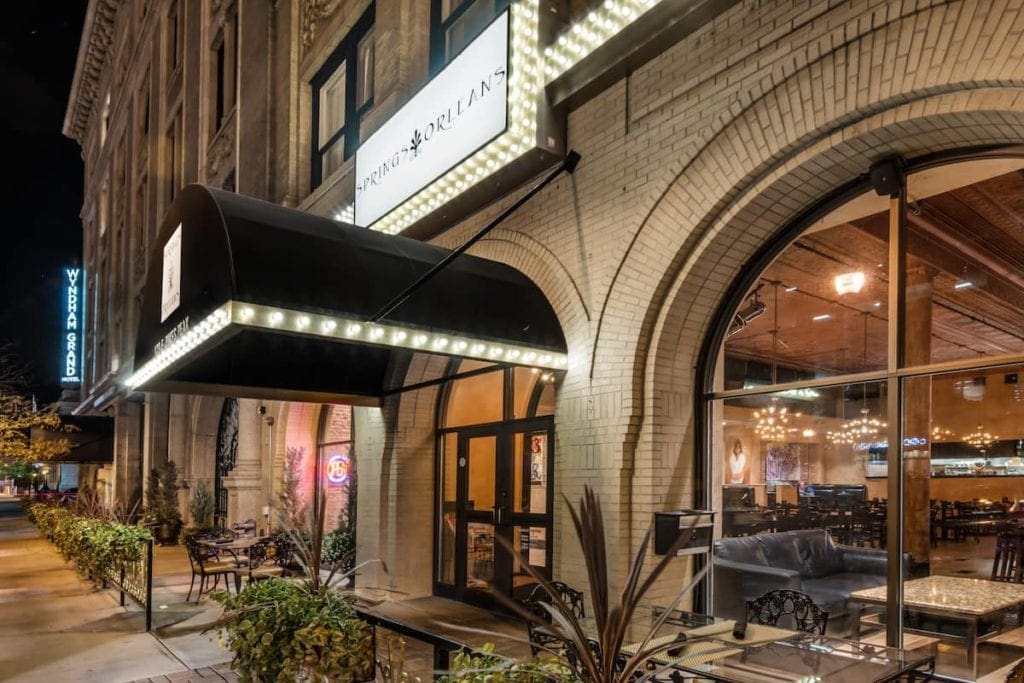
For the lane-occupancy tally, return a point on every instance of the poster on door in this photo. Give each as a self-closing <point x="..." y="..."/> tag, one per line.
<point x="538" y="458"/>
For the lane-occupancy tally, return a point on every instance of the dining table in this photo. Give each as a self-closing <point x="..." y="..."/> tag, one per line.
<point x="236" y="547"/>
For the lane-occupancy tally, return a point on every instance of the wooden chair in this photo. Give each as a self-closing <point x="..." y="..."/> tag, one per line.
<point x="1006" y="565"/>
<point x="205" y="563"/>
<point x="774" y="605"/>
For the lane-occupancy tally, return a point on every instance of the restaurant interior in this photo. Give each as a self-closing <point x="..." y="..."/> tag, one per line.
<point x="801" y="417"/>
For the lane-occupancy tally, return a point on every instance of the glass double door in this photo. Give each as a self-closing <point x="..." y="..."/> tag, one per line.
<point x="495" y="513"/>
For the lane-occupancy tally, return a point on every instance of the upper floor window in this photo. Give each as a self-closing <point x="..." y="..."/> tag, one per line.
<point x="455" y="23"/>
<point x="175" y="37"/>
<point x="342" y="94"/>
<point x="225" y="52"/>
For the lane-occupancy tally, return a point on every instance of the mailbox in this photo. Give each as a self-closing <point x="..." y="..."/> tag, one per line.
<point x="668" y="526"/>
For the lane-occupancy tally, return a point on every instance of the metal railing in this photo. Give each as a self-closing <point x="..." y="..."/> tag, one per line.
<point x="135" y="580"/>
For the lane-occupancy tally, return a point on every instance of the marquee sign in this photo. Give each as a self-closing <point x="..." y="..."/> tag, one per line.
<point x="339" y="469"/>
<point x="71" y="323"/>
<point x="462" y="109"/>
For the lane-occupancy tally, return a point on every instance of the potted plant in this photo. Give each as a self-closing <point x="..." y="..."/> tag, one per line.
<point x="282" y="630"/>
<point x="201" y="508"/>
<point x="162" y="514"/>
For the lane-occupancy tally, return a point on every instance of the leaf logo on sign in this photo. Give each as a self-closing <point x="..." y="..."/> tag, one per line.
<point x="414" y="144"/>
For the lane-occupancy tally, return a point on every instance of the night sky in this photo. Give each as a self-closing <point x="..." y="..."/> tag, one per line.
<point x="42" y="190"/>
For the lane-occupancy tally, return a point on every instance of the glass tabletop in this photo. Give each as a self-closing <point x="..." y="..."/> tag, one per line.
<point x="766" y="653"/>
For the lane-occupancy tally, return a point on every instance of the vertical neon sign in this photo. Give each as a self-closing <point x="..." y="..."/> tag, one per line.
<point x="71" y="322"/>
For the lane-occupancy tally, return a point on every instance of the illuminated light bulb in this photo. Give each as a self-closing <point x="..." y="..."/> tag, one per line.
<point x="328" y="325"/>
<point x="376" y="333"/>
<point x="398" y="337"/>
<point x="353" y="329"/>
<point x="247" y="313"/>
<point x="440" y="343"/>
<point x="496" y="351"/>
<point x="561" y="362"/>
<point x="850" y="283"/>
<point x="459" y="345"/>
<point x="534" y="370"/>
<point x="302" y="321"/>
<point x="419" y="340"/>
<point x="513" y="354"/>
<point x="276" y="317"/>
<point x="477" y="349"/>
<point x="530" y="356"/>
<point x="546" y="358"/>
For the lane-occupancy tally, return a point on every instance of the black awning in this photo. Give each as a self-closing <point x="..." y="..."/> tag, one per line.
<point x="274" y="304"/>
<point x="92" y="438"/>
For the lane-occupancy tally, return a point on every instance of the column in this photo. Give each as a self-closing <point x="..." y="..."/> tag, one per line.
<point x="917" y="411"/>
<point x="128" y="453"/>
<point x="244" y="482"/>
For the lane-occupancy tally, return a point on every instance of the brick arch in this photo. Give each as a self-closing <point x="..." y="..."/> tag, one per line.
<point x="788" y="114"/>
<point x="687" y="313"/>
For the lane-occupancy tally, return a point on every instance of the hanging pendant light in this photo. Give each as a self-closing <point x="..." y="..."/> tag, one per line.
<point x="864" y="429"/>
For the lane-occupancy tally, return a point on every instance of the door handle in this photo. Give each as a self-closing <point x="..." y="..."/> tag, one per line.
<point x="498" y="517"/>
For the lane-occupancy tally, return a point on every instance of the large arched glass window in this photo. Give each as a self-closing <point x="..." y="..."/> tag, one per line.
<point x="886" y="320"/>
<point x="495" y="469"/>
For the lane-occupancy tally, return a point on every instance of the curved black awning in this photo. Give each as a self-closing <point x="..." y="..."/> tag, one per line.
<point x="248" y="298"/>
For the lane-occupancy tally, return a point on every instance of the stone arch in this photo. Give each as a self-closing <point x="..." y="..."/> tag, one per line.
<point x="205" y="419"/>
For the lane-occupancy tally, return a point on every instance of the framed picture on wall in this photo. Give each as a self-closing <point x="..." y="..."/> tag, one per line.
<point x="538" y="458"/>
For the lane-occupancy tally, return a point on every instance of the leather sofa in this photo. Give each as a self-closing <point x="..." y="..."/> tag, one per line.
<point x="807" y="560"/>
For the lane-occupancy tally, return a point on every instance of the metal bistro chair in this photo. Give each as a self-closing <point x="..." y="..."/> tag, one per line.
<point x="774" y="605"/>
<point x="1006" y="566"/>
<point x="205" y="563"/>
<point x="263" y="563"/>
<point x="541" y="639"/>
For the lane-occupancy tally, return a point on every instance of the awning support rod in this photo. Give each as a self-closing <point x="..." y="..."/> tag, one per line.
<point x="568" y="165"/>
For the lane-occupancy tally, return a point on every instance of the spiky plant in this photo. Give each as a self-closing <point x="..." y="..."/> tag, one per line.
<point x="596" y="655"/>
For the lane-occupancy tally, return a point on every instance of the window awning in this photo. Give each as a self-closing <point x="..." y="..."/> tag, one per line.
<point x="251" y="299"/>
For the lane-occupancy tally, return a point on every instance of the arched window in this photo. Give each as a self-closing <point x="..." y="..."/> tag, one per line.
<point x="495" y="468"/>
<point x="884" y="319"/>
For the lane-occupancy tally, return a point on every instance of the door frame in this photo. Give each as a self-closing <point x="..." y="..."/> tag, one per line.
<point x="504" y="433"/>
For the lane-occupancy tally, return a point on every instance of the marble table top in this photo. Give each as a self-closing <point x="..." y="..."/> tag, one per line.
<point x="951" y="594"/>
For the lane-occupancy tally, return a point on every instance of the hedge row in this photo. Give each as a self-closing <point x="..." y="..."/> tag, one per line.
<point x="97" y="547"/>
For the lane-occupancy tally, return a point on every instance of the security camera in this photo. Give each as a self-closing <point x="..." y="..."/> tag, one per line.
<point x="746" y="315"/>
<point x="262" y="410"/>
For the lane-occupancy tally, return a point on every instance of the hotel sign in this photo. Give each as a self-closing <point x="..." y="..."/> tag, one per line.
<point x="462" y="109"/>
<point x="71" y="322"/>
<point x="170" y="290"/>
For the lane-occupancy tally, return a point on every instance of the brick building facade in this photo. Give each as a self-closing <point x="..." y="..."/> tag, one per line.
<point x="692" y="164"/>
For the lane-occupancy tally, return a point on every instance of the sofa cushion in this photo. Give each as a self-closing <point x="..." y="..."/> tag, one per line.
<point x="783" y="551"/>
<point x="831" y="592"/>
<point x="746" y="549"/>
<point x="819" y="554"/>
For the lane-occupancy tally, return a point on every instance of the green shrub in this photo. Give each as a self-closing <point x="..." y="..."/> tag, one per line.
<point x="483" y="666"/>
<point x="284" y="631"/>
<point x="97" y="547"/>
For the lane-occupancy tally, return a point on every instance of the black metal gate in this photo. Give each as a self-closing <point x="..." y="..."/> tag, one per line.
<point x="227" y="455"/>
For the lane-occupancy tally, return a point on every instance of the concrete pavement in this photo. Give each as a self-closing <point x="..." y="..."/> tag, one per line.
<point x="56" y="628"/>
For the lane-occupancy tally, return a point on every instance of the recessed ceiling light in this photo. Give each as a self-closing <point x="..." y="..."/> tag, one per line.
<point x="823" y="316"/>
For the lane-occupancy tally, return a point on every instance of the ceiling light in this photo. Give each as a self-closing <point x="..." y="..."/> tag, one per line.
<point x="790" y="289"/>
<point x="850" y="283"/>
<point x="823" y="316"/>
<point x="963" y="284"/>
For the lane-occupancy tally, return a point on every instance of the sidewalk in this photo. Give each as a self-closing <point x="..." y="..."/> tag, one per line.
<point x="56" y="628"/>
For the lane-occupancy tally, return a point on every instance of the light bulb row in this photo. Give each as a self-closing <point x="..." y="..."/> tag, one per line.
<point x="585" y="36"/>
<point x="351" y="328"/>
<point x="346" y="214"/>
<point x="524" y="85"/>
<point x="187" y="342"/>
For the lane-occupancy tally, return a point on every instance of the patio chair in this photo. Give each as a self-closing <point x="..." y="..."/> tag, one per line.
<point x="542" y="639"/>
<point x="205" y="563"/>
<point x="773" y="605"/>
<point x="244" y="528"/>
<point x="262" y="563"/>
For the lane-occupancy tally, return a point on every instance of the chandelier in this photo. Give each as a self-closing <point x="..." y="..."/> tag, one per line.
<point x="861" y="430"/>
<point x="980" y="439"/>
<point x="772" y="422"/>
<point x="941" y="433"/>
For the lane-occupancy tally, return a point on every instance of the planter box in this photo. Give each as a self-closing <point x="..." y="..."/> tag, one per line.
<point x="668" y="526"/>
